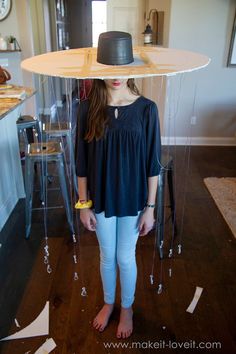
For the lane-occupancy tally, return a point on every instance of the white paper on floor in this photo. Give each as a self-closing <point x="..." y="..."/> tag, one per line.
<point x="39" y="327"/>
<point x="47" y="347"/>
<point x="195" y="299"/>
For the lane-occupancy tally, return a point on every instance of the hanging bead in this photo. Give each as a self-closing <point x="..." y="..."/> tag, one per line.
<point x="45" y="260"/>
<point x="49" y="269"/>
<point x="161" y="244"/>
<point x="170" y="272"/>
<point x="151" y="279"/>
<point x="170" y="253"/>
<point x="83" y="292"/>
<point x="46" y="250"/>
<point x="159" y="290"/>
<point x="74" y="238"/>
<point x="76" y="277"/>
<point x="179" y="249"/>
<point x="75" y="258"/>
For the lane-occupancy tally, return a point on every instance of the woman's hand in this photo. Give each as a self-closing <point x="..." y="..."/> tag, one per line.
<point x="146" y="221"/>
<point x="88" y="219"/>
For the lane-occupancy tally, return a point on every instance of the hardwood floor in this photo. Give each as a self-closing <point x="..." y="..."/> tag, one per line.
<point x="207" y="260"/>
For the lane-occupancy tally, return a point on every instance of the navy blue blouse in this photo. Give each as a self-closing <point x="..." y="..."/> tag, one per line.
<point x="118" y="165"/>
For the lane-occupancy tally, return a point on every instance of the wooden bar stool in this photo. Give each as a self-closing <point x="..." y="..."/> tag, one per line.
<point x="58" y="131"/>
<point x="29" y="127"/>
<point x="43" y="153"/>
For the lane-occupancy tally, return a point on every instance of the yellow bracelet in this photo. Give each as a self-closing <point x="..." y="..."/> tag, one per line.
<point x="84" y="205"/>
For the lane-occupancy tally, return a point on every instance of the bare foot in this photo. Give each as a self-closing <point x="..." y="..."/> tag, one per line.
<point x="125" y="326"/>
<point x="102" y="318"/>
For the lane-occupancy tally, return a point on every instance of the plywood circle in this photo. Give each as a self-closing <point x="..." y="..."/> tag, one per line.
<point x="81" y="63"/>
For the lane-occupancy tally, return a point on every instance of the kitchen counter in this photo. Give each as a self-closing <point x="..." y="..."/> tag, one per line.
<point x="11" y="176"/>
<point x="9" y="104"/>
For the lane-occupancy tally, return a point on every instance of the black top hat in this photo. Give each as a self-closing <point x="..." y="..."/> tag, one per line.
<point x="115" y="48"/>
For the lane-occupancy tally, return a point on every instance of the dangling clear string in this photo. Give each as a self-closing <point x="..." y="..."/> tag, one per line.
<point x="159" y="82"/>
<point x="43" y="85"/>
<point x="77" y="254"/>
<point x="176" y="82"/>
<point x="187" y="170"/>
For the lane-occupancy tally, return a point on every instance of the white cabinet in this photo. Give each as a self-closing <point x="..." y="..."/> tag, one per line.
<point x="11" y="178"/>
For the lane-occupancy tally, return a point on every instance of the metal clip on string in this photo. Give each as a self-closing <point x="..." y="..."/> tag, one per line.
<point x="76" y="277"/>
<point x="159" y="289"/>
<point x="179" y="249"/>
<point x="83" y="292"/>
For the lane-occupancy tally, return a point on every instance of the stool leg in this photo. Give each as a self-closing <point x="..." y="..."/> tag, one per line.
<point x="30" y="135"/>
<point x="37" y="128"/>
<point x="25" y="137"/>
<point x="61" y="170"/>
<point x="72" y="160"/>
<point x="160" y="210"/>
<point x="29" y="178"/>
<point x="43" y="179"/>
<point x="172" y="199"/>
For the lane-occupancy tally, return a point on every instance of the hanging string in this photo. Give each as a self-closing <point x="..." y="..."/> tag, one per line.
<point x="187" y="170"/>
<point x="172" y="104"/>
<point x="160" y="286"/>
<point x="67" y="147"/>
<point x="44" y="173"/>
<point x="69" y="107"/>
<point x="76" y="240"/>
<point x="175" y="103"/>
<point x="156" y="245"/>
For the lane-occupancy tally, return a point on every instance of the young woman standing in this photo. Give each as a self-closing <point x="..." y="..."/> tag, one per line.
<point x="118" y="155"/>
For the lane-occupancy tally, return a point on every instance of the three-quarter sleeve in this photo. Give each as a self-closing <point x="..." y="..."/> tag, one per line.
<point x="81" y="151"/>
<point x="153" y="141"/>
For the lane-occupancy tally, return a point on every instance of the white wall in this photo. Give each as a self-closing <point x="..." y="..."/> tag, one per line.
<point x="155" y="88"/>
<point x="26" y="23"/>
<point x="161" y="5"/>
<point x="205" y="26"/>
<point x="18" y="24"/>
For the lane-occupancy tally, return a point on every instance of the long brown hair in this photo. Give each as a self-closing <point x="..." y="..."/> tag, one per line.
<point x="97" y="113"/>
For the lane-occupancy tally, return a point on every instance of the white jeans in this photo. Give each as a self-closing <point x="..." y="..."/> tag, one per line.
<point x="117" y="237"/>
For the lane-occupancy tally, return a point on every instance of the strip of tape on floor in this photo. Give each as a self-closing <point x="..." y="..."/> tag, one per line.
<point x="47" y="347"/>
<point x="195" y="299"/>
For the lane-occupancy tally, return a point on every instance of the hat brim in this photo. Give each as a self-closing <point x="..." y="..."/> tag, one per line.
<point x="81" y="63"/>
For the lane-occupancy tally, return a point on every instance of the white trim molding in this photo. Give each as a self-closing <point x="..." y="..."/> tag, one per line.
<point x="201" y="140"/>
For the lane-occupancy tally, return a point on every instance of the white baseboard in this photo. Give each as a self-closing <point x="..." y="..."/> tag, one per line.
<point x="59" y="103"/>
<point x="50" y="111"/>
<point x="204" y="141"/>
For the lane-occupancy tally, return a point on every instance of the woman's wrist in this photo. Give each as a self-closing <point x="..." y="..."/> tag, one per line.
<point x="150" y="205"/>
<point x="149" y="210"/>
<point x="84" y="204"/>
